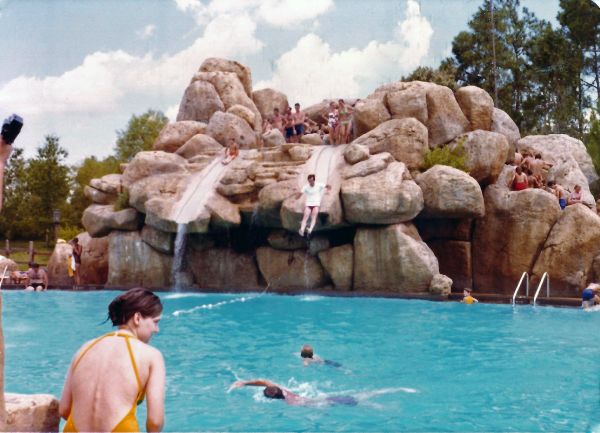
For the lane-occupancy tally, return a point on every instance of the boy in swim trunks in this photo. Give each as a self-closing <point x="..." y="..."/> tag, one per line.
<point x="299" y="118"/>
<point x="288" y="122"/>
<point x="314" y="193"/>
<point x="589" y="296"/>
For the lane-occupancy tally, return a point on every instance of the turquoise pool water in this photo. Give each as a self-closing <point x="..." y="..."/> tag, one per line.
<point x="472" y="368"/>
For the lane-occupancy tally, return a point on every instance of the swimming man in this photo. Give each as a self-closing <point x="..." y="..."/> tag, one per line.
<point x="309" y="357"/>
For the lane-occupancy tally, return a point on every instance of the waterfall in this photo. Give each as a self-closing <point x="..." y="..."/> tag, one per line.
<point x="178" y="271"/>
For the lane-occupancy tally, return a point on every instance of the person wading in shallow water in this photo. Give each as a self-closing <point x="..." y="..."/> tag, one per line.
<point x="109" y="376"/>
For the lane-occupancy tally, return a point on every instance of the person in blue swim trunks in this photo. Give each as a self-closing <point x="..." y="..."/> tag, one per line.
<point x="277" y="392"/>
<point x="309" y="357"/>
<point x="590" y="296"/>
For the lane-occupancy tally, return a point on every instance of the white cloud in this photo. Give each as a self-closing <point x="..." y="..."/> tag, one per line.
<point x="310" y="71"/>
<point x="172" y="112"/>
<point x="146" y="32"/>
<point x="273" y="12"/>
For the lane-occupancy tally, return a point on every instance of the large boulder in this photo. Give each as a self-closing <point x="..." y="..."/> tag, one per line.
<point x="477" y="105"/>
<point x="58" y="273"/>
<point x="31" y="413"/>
<point x="374" y="164"/>
<point x="174" y="134"/>
<point x="445" y="228"/>
<point x="509" y="237"/>
<point x="110" y="184"/>
<point x="244" y="113"/>
<point x="386" y="197"/>
<point x="355" y="152"/>
<point x="167" y="187"/>
<point x="393" y="259"/>
<point x="267" y="100"/>
<point x="100" y="220"/>
<point x="214" y="64"/>
<point x="446" y="120"/>
<point x="339" y="264"/>
<point x="405" y="139"/>
<point x="408" y="102"/>
<point x="151" y="163"/>
<point x="485" y="154"/>
<point x="270" y="199"/>
<point x="369" y="113"/>
<point x="290" y="270"/>
<point x="569" y="251"/>
<point x="223" y="213"/>
<point x="455" y="261"/>
<point x="557" y="148"/>
<point x="132" y="262"/>
<point x="440" y="285"/>
<point x="199" y="102"/>
<point x="566" y="172"/>
<point x="285" y="240"/>
<point x="94" y="259"/>
<point x="163" y="242"/>
<point x="97" y="196"/>
<point x="450" y="193"/>
<point x="503" y="124"/>
<point x="199" y="144"/>
<point x="317" y="111"/>
<point x="273" y="138"/>
<point x="224" y="126"/>
<point x="219" y="268"/>
<point x="9" y="264"/>
<point x="230" y="91"/>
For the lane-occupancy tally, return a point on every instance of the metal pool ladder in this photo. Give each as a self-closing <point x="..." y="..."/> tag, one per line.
<point x="546" y="278"/>
<point x="525" y="277"/>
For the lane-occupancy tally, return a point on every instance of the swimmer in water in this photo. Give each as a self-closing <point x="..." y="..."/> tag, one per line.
<point x="467" y="298"/>
<point x="277" y="392"/>
<point x="309" y="357"/>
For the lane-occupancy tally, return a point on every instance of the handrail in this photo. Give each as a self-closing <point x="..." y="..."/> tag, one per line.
<point x="537" y="292"/>
<point x="523" y="275"/>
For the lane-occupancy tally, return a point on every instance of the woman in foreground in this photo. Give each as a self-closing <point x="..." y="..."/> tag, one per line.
<point x="110" y="375"/>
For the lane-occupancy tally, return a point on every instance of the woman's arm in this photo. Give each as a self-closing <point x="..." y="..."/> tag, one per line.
<point x="155" y="394"/>
<point x="66" y="399"/>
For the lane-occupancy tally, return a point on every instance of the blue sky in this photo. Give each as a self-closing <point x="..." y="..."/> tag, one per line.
<point x="81" y="68"/>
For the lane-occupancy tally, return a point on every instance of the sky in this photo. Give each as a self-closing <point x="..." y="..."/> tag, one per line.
<point x="80" y="69"/>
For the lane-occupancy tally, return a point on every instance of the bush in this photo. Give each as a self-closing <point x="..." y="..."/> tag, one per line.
<point x="445" y="156"/>
<point x="69" y="232"/>
<point x="122" y="201"/>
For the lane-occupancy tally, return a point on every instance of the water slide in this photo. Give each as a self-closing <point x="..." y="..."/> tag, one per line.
<point x="199" y="190"/>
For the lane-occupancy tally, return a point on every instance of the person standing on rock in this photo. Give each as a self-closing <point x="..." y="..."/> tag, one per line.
<point x="332" y="120"/>
<point x="111" y="375"/>
<point x="276" y="120"/>
<point x="37" y="279"/>
<point x="314" y="193"/>
<point x="519" y="180"/>
<point x="345" y="128"/>
<point x="288" y="123"/>
<point x="299" y="118"/>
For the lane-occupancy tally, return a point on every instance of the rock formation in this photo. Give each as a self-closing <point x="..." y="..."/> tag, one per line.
<point x="386" y="223"/>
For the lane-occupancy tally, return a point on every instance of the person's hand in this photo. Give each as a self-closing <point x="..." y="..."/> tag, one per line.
<point x="237" y="384"/>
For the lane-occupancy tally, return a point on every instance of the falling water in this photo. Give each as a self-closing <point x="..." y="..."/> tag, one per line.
<point x="178" y="271"/>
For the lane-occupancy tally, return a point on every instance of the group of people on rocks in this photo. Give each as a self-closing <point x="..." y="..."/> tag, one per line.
<point x="531" y="172"/>
<point x="336" y="129"/>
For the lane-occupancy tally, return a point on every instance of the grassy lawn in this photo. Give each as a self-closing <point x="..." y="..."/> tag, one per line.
<point x="22" y="256"/>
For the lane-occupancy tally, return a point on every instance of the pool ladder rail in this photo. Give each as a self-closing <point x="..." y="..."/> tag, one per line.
<point x="525" y="277"/>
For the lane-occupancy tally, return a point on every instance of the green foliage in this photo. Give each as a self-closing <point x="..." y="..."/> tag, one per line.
<point x="444" y="75"/>
<point x="593" y="139"/>
<point x="122" y="201"/>
<point x="140" y="134"/>
<point x="68" y="232"/>
<point x="446" y="156"/>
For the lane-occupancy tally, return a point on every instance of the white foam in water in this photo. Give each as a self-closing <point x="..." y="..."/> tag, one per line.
<point x="185" y="295"/>
<point x="593" y="309"/>
<point x="311" y="298"/>
<point x="214" y="306"/>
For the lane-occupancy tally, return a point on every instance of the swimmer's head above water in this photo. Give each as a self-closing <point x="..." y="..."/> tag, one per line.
<point x="306" y="351"/>
<point x="273" y="392"/>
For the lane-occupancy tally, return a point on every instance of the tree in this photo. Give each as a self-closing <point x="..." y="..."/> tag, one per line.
<point x="444" y="75"/>
<point x="593" y="138"/>
<point x="140" y="134"/>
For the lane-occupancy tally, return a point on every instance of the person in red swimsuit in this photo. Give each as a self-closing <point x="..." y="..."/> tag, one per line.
<point x="519" y="181"/>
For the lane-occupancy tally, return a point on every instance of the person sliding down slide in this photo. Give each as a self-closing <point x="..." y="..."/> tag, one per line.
<point x="314" y="193"/>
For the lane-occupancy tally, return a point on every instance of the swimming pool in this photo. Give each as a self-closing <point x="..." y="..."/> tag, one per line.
<point x="413" y="365"/>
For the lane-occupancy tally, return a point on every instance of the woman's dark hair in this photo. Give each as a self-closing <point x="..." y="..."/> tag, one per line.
<point x="273" y="392"/>
<point x="137" y="300"/>
<point x="311" y="176"/>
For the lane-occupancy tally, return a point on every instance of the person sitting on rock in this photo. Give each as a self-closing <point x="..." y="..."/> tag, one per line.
<point x="527" y="162"/>
<point x="590" y="296"/>
<point x="562" y="194"/>
<point x="533" y="181"/>
<point x="37" y="278"/>
<point x="309" y="357"/>
<point x="575" y="197"/>
<point x="231" y="152"/>
<point x="519" y="180"/>
<point x="278" y="392"/>
<point x="299" y="118"/>
<point x="551" y="188"/>
<point x="314" y="193"/>
<point x="467" y="298"/>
